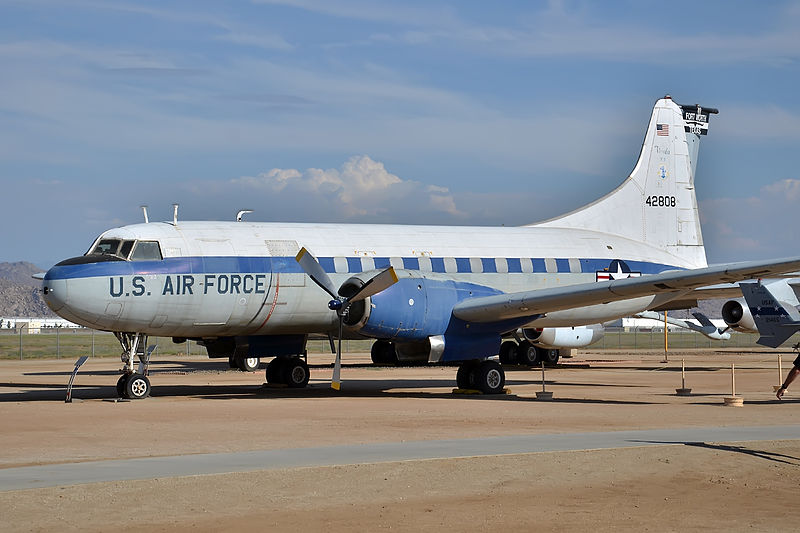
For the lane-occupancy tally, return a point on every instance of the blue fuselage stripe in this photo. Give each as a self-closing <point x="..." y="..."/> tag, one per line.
<point x="256" y="265"/>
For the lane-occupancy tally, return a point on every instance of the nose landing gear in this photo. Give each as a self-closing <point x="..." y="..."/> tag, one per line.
<point x="134" y="384"/>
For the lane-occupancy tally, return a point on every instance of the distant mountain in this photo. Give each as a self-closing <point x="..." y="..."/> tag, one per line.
<point x="20" y="273"/>
<point x="20" y="294"/>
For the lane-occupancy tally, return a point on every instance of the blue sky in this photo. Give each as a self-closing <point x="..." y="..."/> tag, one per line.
<point x="425" y="112"/>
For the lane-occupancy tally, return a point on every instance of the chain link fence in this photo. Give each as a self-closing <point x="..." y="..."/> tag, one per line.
<point x="72" y="343"/>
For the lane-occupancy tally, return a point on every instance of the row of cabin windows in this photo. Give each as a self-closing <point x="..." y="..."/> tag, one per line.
<point x="142" y="250"/>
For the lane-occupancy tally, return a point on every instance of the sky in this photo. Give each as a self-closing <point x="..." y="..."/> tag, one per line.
<point x="433" y="112"/>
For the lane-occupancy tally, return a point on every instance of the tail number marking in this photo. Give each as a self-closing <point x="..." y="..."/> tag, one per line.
<point x="660" y="201"/>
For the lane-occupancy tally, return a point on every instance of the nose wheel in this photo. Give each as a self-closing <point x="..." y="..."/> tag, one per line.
<point x="134" y="384"/>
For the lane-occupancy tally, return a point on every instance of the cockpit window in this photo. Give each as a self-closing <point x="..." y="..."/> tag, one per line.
<point x="106" y="247"/>
<point x="125" y="249"/>
<point x="146" y="251"/>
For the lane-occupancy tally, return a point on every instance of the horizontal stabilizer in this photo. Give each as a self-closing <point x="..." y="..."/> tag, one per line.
<point x="776" y="321"/>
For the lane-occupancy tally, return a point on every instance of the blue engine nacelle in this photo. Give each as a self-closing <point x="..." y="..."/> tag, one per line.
<point x="419" y="310"/>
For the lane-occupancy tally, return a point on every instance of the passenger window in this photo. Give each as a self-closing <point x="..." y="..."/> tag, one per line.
<point x="106" y="247"/>
<point x="126" y="249"/>
<point x="146" y="251"/>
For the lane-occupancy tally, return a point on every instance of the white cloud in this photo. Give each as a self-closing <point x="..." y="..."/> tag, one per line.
<point x="760" y="226"/>
<point x="362" y="187"/>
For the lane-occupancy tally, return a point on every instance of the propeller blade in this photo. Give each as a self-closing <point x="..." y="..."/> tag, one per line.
<point x="336" y="381"/>
<point x="376" y="284"/>
<point x="311" y="266"/>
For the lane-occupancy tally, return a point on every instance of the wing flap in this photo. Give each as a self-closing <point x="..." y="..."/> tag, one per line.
<point x="541" y="301"/>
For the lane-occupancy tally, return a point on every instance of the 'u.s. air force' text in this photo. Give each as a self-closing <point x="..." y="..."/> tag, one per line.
<point x="190" y="284"/>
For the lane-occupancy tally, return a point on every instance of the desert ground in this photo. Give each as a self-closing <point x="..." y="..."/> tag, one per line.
<point x="201" y="407"/>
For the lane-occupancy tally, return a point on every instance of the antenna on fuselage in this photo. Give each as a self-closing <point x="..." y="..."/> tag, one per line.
<point x="144" y="210"/>
<point x="175" y="214"/>
<point x="241" y="214"/>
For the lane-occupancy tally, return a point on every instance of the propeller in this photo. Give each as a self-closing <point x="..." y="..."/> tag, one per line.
<point x="381" y="281"/>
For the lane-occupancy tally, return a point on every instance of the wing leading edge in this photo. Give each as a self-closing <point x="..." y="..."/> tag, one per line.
<point x="542" y="301"/>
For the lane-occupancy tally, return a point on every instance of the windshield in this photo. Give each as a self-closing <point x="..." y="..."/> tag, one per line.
<point x="106" y="247"/>
<point x="115" y="247"/>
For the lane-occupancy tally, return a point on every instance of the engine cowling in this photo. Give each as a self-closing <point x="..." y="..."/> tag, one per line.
<point x="737" y="316"/>
<point x="564" y="337"/>
<point x="419" y="310"/>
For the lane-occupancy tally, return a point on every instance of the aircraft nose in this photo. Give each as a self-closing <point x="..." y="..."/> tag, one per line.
<point x="54" y="291"/>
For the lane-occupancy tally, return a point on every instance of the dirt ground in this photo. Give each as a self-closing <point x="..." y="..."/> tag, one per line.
<point x="199" y="406"/>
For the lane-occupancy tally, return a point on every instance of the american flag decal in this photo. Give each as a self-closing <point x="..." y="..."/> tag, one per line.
<point x="662" y="130"/>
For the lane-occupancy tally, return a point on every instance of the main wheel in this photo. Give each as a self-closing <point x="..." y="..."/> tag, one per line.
<point x="465" y="378"/>
<point x="275" y="370"/>
<point x="295" y="373"/>
<point x="248" y="364"/>
<point x="550" y="357"/>
<point x="137" y="387"/>
<point x="122" y="382"/>
<point x="508" y="353"/>
<point x="489" y="377"/>
<point x="528" y="354"/>
<point x="382" y="353"/>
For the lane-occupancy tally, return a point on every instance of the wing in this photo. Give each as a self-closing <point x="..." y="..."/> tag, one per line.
<point x="538" y="302"/>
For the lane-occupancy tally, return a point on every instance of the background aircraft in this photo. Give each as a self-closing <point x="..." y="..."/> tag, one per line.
<point x="424" y="293"/>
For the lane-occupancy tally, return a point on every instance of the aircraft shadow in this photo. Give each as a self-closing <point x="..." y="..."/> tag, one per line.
<point x="761" y="454"/>
<point x="382" y="388"/>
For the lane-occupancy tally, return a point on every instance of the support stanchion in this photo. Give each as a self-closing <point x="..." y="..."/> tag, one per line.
<point x="543" y="394"/>
<point x="683" y="391"/>
<point x="780" y="376"/>
<point x="666" y="343"/>
<point x="733" y="400"/>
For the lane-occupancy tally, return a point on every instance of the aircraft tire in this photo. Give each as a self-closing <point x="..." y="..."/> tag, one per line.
<point x="121" y="383"/>
<point x="247" y="364"/>
<point x="465" y="377"/>
<point x="382" y="353"/>
<point x="528" y="354"/>
<point x="275" y="370"/>
<point x="294" y="373"/>
<point x="490" y="377"/>
<point x="550" y="357"/>
<point x="508" y="353"/>
<point x="137" y="387"/>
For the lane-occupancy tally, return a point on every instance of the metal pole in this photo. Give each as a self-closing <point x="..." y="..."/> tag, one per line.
<point x="666" y="344"/>
<point x="58" y="344"/>
<point x="20" y="343"/>
<point x="542" y="376"/>
<point x="780" y="371"/>
<point x="733" y="379"/>
<point x="92" y="343"/>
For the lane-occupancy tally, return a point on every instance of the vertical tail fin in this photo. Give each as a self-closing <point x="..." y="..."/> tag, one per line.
<point x="656" y="204"/>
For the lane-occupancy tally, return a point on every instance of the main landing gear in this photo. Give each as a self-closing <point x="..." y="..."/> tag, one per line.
<point x="245" y="364"/>
<point x="134" y="384"/>
<point x="486" y="376"/>
<point x="526" y="353"/>
<point x="290" y="371"/>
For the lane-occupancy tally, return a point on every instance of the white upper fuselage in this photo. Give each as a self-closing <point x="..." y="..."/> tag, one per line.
<point x="241" y="278"/>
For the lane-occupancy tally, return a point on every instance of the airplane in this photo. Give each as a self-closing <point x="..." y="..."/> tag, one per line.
<point x="704" y="326"/>
<point x="771" y="308"/>
<point x="433" y="294"/>
<point x="737" y="314"/>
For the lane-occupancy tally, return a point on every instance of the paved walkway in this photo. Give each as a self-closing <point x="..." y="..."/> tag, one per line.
<point x="219" y="463"/>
